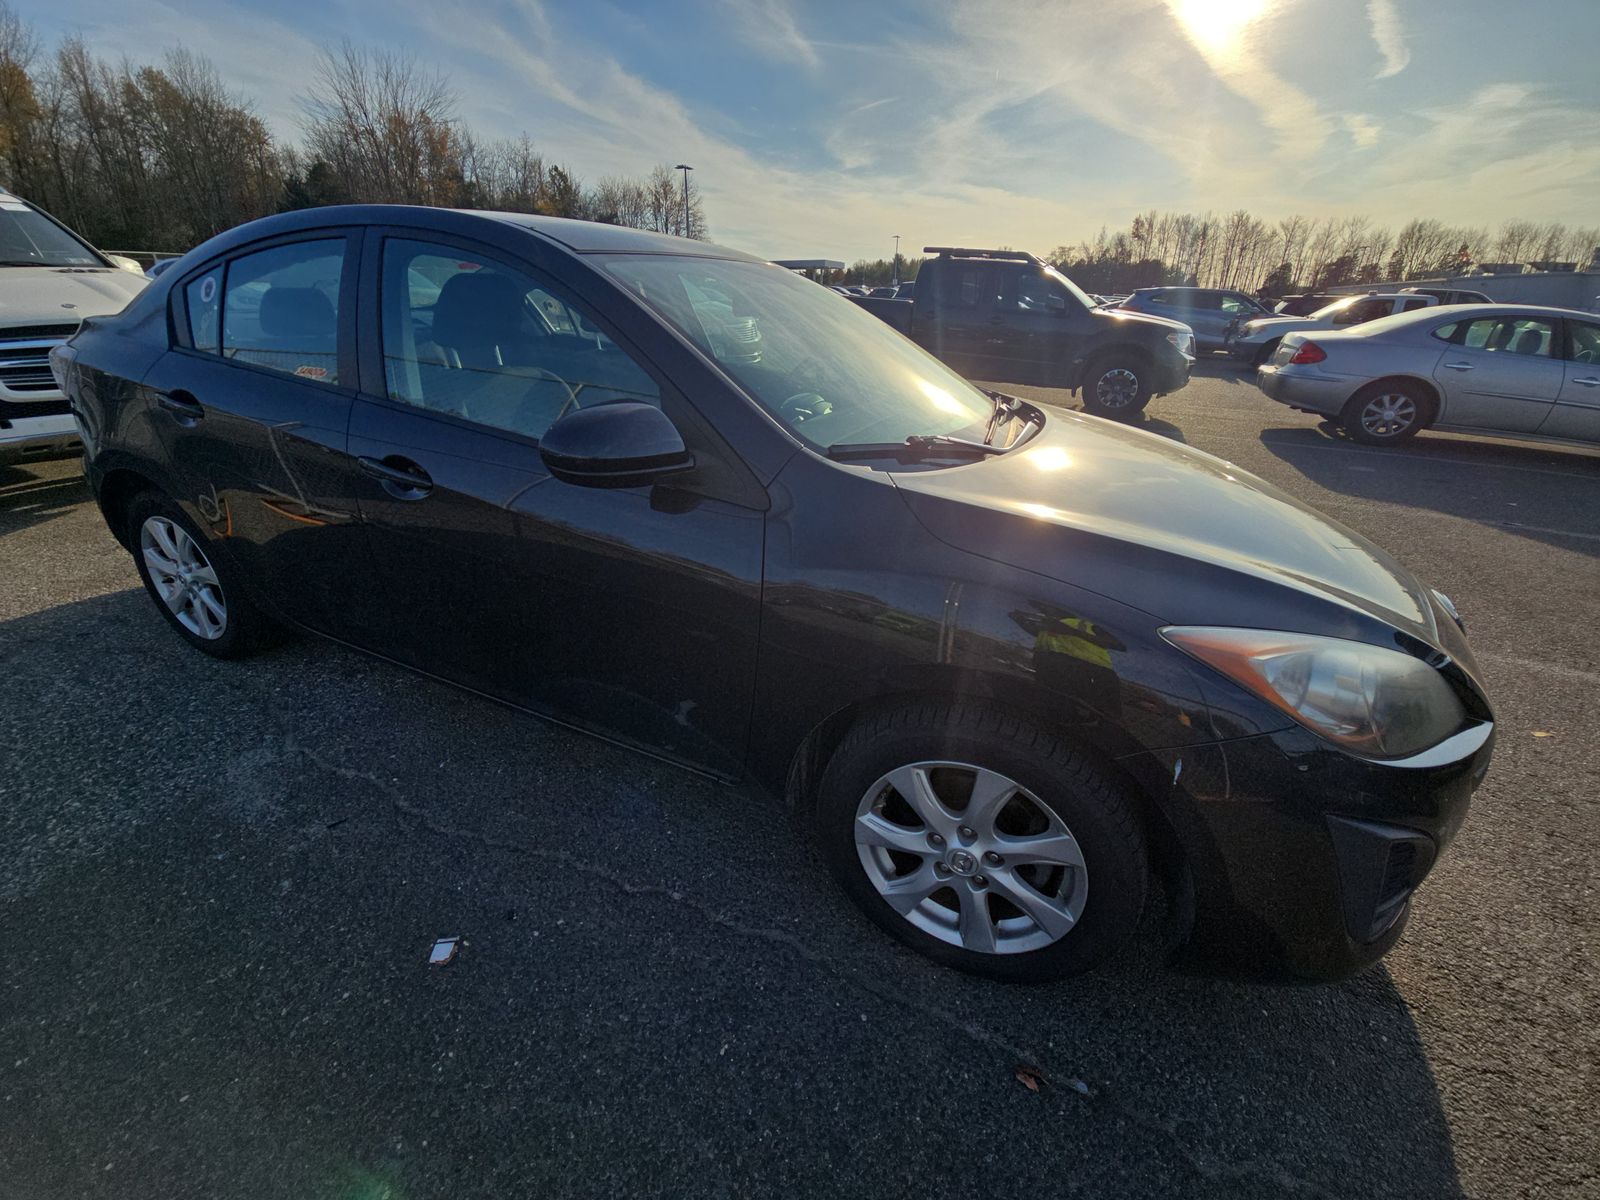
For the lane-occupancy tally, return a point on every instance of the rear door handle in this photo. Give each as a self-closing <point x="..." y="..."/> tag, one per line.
<point x="401" y="478"/>
<point x="1458" y="366"/>
<point x="1591" y="381"/>
<point x="181" y="405"/>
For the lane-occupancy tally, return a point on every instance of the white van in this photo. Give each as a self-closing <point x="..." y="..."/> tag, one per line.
<point x="50" y="280"/>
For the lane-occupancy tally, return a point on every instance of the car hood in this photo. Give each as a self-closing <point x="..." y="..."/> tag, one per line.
<point x="1138" y="318"/>
<point x="1280" y="324"/>
<point x="1165" y="528"/>
<point x="48" y="295"/>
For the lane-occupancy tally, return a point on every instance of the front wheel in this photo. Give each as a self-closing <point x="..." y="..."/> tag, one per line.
<point x="1116" y="387"/>
<point x="1384" y="413"/>
<point x="985" y="843"/>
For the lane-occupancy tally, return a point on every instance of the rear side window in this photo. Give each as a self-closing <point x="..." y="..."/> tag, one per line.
<point x="281" y="309"/>
<point x="1409" y="305"/>
<point x="1504" y="335"/>
<point x="203" y="299"/>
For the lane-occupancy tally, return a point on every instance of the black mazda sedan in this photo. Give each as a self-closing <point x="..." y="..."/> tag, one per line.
<point x="1008" y="662"/>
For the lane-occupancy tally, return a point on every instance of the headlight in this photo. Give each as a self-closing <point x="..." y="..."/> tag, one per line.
<point x="1181" y="340"/>
<point x="1379" y="703"/>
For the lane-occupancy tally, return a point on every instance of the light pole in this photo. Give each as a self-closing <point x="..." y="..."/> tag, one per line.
<point x="896" y="279"/>
<point x="685" y="168"/>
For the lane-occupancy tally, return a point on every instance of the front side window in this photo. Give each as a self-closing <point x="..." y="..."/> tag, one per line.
<point x="831" y="372"/>
<point x="1585" y="341"/>
<point x="280" y="309"/>
<point x="485" y="342"/>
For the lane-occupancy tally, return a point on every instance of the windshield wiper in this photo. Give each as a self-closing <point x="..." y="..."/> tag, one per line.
<point x="918" y="445"/>
<point x="1005" y="407"/>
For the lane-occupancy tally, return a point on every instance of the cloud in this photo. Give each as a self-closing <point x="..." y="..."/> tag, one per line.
<point x="1363" y="130"/>
<point x="1390" y="35"/>
<point x="771" y="27"/>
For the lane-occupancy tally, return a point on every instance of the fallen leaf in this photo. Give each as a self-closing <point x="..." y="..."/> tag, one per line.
<point x="1030" y="1077"/>
<point x="1542" y="733"/>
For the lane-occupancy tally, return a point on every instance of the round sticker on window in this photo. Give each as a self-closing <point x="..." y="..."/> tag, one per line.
<point x="208" y="289"/>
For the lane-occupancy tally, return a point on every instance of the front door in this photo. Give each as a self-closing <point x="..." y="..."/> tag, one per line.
<point x="1499" y="372"/>
<point x="254" y="403"/>
<point x="1576" y="412"/>
<point x="629" y="611"/>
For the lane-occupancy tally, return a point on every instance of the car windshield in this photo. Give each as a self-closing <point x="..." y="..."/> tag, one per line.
<point x="30" y="237"/>
<point x="831" y="371"/>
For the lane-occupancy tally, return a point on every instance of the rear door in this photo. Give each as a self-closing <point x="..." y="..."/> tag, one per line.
<point x="255" y="400"/>
<point x="965" y="329"/>
<point x="1576" y="412"/>
<point x="1499" y="372"/>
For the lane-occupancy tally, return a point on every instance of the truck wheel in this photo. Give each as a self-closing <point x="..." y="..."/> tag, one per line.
<point x="1117" y="387"/>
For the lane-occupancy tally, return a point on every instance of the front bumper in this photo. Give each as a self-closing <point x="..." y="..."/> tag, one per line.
<point x="1172" y="372"/>
<point x="1303" y="859"/>
<point x="30" y="437"/>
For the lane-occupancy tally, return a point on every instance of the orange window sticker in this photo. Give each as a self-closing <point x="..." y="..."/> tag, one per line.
<point x="311" y="372"/>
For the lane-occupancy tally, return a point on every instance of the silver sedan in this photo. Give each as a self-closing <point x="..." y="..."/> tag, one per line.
<point x="1507" y="369"/>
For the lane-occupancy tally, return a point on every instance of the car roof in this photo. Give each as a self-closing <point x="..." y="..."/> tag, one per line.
<point x="1444" y="313"/>
<point x="581" y="237"/>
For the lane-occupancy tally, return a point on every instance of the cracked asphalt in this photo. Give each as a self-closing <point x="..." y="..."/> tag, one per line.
<point x="220" y="883"/>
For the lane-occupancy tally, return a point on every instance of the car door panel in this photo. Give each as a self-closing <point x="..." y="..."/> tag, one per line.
<point x="262" y="456"/>
<point x="1576" y="412"/>
<point x="1496" y="389"/>
<point x="631" y="612"/>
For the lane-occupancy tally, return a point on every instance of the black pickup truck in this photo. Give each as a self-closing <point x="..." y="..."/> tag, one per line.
<point x="1003" y="316"/>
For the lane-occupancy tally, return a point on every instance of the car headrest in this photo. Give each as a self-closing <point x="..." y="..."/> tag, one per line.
<point x="480" y="308"/>
<point x="1529" y="341"/>
<point x="296" y="312"/>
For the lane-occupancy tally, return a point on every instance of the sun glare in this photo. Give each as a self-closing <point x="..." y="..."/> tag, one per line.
<point x="1217" y="26"/>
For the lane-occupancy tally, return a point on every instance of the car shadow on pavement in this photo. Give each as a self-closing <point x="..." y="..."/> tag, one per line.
<point x="223" y="880"/>
<point x="28" y="499"/>
<point x="1516" y="488"/>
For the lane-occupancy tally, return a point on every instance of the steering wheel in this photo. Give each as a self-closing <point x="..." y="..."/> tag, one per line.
<point x="540" y="373"/>
<point x="803" y="406"/>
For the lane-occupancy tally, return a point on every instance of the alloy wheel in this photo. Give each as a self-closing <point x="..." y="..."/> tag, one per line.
<point x="1117" y="388"/>
<point x="1389" y="415"/>
<point x="183" y="578"/>
<point x="971" y="857"/>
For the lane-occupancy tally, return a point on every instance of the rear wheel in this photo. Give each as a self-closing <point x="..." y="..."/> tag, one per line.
<point x="196" y="590"/>
<point x="983" y="842"/>
<point x="1385" y="413"/>
<point x="1116" y="386"/>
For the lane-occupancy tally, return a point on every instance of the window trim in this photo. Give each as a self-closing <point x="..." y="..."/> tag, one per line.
<point x="179" y="340"/>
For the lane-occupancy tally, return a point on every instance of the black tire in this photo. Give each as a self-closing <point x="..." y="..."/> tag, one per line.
<point x="1386" y="413"/>
<point x="245" y="629"/>
<point x="1105" y="386"/>
<point x="1098" y="815"/>
<point x="1266" y="352"/>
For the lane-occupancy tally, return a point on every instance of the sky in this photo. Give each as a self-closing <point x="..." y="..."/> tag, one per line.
<point x="825" y="127"/>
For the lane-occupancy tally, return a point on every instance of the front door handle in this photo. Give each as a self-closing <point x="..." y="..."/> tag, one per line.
<point x="1591" y="381"/>
<point x="401" y="478"/>
<point x="181" y="405"/>
<point x="1458" y="366"/>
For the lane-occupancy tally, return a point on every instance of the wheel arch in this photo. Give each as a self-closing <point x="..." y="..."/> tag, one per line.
<point x="116" y="492"/>
<point x="1110" y="350"/>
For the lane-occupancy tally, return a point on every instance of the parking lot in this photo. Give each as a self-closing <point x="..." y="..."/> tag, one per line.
<point x="222" y="882"/>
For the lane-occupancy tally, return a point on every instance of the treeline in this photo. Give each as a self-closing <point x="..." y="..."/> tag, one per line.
<point x="1302" y="253"/>
<point x="874" y="272"/>
<point x="162" y="157"/>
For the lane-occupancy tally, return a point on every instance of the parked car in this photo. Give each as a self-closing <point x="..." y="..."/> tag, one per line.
<point x="1210" y="312"/>
<point x="1484" y="369"/>
<point x="1306" y="304"/>
<point x="1257" y="339"/>
<point x="1004" y="316"/>
<point x="1450" y="295"/>
<point x="906" y="290"/>
<point x="50" y="280"/>
<point x="1006" y="662"/>
<point x="154" y="270"/>
<point x="885" y="292"/>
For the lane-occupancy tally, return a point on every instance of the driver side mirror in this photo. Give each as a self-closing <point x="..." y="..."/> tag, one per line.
<point x="616" y="445"/>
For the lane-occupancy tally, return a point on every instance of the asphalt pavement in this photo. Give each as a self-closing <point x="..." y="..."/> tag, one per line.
<point x="221" y="882"/>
